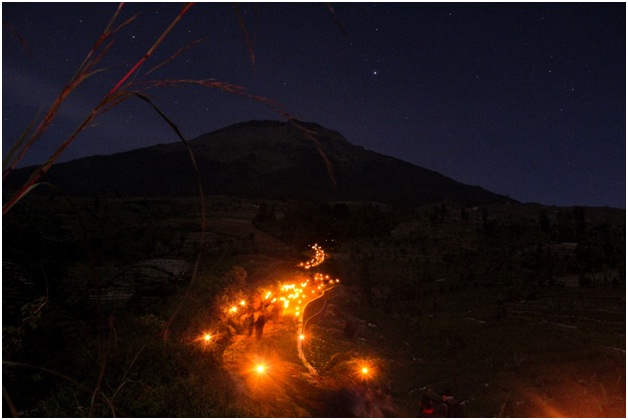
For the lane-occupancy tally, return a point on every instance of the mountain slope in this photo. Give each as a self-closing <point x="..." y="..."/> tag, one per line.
<point x="265" y="160"/>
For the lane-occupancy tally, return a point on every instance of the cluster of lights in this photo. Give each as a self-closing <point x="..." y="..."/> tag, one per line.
<point x="234" y="308"/>
<point x="319" y="258"/>
<point x="323" y="280"/>
<point x="290" y="297"/>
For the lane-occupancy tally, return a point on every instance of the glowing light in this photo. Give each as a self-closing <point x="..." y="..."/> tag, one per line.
<point x="302" y="337"/>
<point x="205" y="338"/>
<point x="319" y="258"/>
<point x="365" y="370"/>
<point x="296" y="293"/>
<point x="260" y="368"/>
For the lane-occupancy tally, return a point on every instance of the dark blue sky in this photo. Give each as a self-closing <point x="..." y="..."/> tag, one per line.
<point x="524" y="99"/>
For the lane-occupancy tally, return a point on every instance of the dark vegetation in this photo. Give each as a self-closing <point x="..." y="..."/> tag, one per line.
<point x="457" y="285"/>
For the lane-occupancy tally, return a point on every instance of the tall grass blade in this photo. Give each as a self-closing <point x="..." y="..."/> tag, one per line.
<point x="245" y="33"/>
<point x="85" y="71"/>
<point x="20" y="141"/>
<point x="203" y="222"/>
<point x="7" y="399"/>
<point x="334" y="16"/>
<point x="175" y="55"/>
<point x="8" y="27"/>
<point x="152" y="49"/>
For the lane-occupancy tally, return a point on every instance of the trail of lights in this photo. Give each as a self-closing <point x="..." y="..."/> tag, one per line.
<point x="284" y="299"/>
<point x="241" y="313"/>
<point x="319" y="258"/>
<point x="287" y="299"/>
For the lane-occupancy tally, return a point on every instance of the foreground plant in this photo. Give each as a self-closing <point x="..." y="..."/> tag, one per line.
<point x="122" y="90"/>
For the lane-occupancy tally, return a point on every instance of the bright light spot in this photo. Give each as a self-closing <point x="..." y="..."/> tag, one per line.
<point x="242" y="303"/>
<point x="302" y="337"/>
<point x="260" y="368"/>
<point x="365" y="370"/>
<point x="233" y="309"/>
<point x="267" y="295"/>
<point x="207" y="337"/>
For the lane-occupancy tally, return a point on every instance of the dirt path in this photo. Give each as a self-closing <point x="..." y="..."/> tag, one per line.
<point x="285" y="388"/>
<point x="288" y="387"/>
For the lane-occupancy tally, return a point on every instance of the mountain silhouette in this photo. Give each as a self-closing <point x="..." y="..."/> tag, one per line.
<point x="261" y="160"/>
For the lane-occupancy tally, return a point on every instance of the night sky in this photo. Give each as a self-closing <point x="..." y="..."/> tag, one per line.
<point x="524" y="99"/>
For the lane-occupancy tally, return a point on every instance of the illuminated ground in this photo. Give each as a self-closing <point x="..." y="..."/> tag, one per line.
<point x="495" y="365"/>
<point x="533" y="360"/>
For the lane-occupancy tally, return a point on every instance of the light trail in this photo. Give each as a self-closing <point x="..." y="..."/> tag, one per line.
<point x="319" y="258"/>
<point x="290" y="298"/>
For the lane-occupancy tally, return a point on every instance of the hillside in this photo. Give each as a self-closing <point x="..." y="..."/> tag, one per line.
<point x="262" y="160"/>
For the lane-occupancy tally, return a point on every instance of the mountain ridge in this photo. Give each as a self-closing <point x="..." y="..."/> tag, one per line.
<point x="264" y="159"/>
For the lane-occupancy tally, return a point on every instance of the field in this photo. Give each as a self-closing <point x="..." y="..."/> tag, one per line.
<point x="521" y="359"/>
<point x="103" y="303"/>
